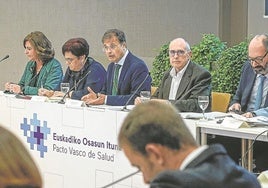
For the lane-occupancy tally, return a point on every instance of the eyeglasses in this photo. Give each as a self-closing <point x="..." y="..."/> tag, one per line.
<point x="112" y="47"/>
<point x="70" y="60"/>
<point x="258" y="60"/>
<point x="178" y="52"/>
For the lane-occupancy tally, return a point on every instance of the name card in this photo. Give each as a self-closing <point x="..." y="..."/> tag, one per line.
<point x="39" y="98"/>
<point x="233" y="123"/>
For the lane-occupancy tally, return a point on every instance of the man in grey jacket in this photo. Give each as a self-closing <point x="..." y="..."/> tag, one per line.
<point x="185" y="81"/>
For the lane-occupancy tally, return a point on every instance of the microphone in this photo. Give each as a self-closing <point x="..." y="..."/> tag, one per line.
<point x="62" y="101"/>
<point x="125" y="107"/>
<point x="121" y="179"/>
<point x="7" y="56"/>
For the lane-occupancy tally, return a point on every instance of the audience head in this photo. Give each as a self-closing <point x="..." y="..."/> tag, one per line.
<point x="257" y="53"/>
<point x="75" y="52"/>
<point x="17" y="168"/>
<point x="114" y="44"/>
<point x="38" y="47"/>
<point x="179" y="53"/>
<point x="155" y="138"/>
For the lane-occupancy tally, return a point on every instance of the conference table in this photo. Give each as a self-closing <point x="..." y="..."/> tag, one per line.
<point x="246" y="134"/>
<point x="76" y="146"/>
<point x="73" y="146"/>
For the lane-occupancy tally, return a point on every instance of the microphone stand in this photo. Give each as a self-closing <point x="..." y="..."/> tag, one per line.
<point x="62" y="101"/>
<point x="7" y="56"/>
<point x="125" y="107"/>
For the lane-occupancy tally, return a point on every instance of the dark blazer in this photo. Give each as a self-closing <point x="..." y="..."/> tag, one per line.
<point x="212" y="168"/>
<point x="92" y="75"/>
<point x="133" y="73"/>
<point x="244" y="89"/>
<point x="195" y="81"/>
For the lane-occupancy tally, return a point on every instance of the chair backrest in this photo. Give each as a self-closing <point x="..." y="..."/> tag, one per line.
<point x="153" y="89"/>
<point x="220" y="101"/>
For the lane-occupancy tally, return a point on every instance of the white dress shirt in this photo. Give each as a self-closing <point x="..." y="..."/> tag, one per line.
<point x="176" y="80"/>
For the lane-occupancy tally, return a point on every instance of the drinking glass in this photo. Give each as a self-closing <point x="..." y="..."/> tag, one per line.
<point x="145" y="96"/>
<point x="64" y="87"/>
<point x="203" y="102"/>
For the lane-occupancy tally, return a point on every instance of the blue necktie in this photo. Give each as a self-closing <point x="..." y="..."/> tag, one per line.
<point x="259" y="92"/>
<point x="115" y="79"/>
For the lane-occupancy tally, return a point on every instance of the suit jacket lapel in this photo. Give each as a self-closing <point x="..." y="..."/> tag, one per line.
<point x="124" y="68"/>
<point x="249" y="87"/>
<point x="166" y="88"/>
<point x="212" y="150"/>
<point x="110" y="75"/>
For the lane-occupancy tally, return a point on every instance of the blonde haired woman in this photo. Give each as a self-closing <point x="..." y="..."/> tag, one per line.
<point x="42" y="71"/>
<point x="17" y="168"/>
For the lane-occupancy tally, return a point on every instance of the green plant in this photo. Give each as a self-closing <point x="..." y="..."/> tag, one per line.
<point x="207" y="51"/>
<point x="160" y="65"/>
<point x="204" y="53"/>
<point x="224" y="63"/>
<point x="228" y="70"/>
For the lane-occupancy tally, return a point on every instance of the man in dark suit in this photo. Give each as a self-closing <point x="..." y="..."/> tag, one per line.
<point x="124" y="84"/>
<point x="160" y="145"/>
<point x="185" y="81"/>
<point x="245" y="99"/>
<point x="257" y="66"/>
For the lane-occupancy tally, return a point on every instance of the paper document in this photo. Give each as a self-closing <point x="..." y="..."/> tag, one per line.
<point x="258" y="120"/>
<point x="209" y="115"/>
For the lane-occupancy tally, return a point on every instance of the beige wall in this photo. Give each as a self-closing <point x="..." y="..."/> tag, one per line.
<point x="257" y="24"/>
<point x="233" y="21"/>
<point x="147" y="23"/>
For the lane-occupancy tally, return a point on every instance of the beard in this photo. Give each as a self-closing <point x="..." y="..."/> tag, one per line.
<point x="261" y="70"/>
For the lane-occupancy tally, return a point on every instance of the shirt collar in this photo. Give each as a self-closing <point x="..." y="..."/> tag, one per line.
<point x="194" y="154"/>
<point x="181" y="72"/>
<point x="122" y="60"/>
<point x="266" y="75"/>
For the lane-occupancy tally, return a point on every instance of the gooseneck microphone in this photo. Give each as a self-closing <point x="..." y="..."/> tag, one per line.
<point x="121" y="179"/>
<point x="62" y="101"/>
<point x="134" y="93"/>
<point x="7" y="56"/>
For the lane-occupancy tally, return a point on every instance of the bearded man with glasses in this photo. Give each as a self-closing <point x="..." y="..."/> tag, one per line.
<point x="185" y="81"/>
<point x="254" y="73"/>
<point x="251" y="98"/>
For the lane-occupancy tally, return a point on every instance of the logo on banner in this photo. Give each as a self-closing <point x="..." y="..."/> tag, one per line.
<point x="36" y="133"/>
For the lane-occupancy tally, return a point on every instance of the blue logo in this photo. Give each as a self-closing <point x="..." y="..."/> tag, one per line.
<point x="36" y="133"/>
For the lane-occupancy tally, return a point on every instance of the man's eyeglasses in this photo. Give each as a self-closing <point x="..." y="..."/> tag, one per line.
<point x="258" y="60"/>
<point x="178" y="52"/>
<point x="112" y="47"/>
